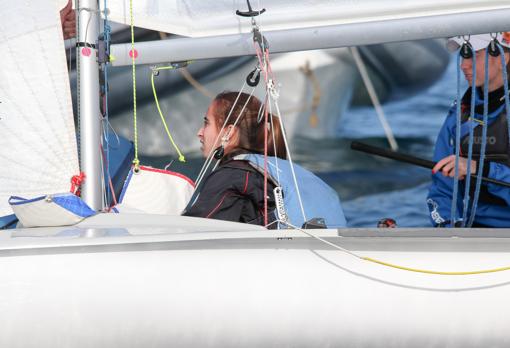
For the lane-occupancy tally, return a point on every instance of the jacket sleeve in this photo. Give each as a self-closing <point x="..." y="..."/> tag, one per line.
<point x="499" y="172"/>
<point x="439" y="198"/>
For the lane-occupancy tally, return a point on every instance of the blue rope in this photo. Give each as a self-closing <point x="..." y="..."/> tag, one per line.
<point x="107" y="33"/>
<point x="453" y="214"/>
<point x="484" y="140"/>
<point x="505" y="84"/>
<point x="470" y="151"/>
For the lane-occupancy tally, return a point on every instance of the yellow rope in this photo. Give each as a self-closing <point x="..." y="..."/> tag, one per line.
<point x="493" y="270"/>
<point x="387" y="264"/>
<point x="136" y="161"/>
<point x="181" y="156"/>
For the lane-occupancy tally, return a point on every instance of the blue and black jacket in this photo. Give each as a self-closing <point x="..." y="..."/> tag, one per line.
<point x="494" y="201"/>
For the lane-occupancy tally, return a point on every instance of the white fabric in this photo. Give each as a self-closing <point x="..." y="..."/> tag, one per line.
<point x="38" y="151"/>
<point x="155" y="191"/>
<point x="43" y="213"/>
<point x="198" y="18"/>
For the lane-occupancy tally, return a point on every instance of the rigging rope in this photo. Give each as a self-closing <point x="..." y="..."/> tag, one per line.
<point x="470" y="150"/>
<point x="136" y="161"/>
<point x="107" y="31"/>
<point x="262" y="52"/>
<point x="277" y="200"/>
<point x="483" y="146"/>
<point x="291" y="162"/>
<point x="392" y="265"/>
<point x="505" y="86"/>
<point x="453" y="211"/>
<point x="410" y="269"/>
<point x="155" y="71"/>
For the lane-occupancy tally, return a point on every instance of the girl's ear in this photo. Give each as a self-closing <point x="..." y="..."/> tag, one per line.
<point x="231" y="136"/>
<point x="228" y="133"/>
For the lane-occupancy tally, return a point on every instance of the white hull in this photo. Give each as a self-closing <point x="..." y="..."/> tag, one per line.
<point x="158" y="285"/>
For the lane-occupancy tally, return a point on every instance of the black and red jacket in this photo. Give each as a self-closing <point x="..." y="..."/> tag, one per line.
<point x="234" y="192"/>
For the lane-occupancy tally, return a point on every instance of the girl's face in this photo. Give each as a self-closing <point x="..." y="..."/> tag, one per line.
<point x="495" y="70"/>
<point x="208" y="133"/>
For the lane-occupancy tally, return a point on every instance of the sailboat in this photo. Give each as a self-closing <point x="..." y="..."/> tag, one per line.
<point x="154" y="280"/>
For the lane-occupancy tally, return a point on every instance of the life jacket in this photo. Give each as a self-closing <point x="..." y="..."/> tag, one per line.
<point x="497" y="150"/>
<point x="319" y="200"/>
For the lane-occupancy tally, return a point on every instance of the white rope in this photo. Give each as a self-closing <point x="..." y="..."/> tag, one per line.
<point x="373" y="97"/>
<point x="105" y="132"/>
<point x="275" y="100"/>
<point x="274" y="143"/>
<point x="315" y="237"/>
<point x="103" y="185"/>
<point x="260" y="114"/>
<point x="244" y="107"/>
<point x="266" y="68"/>
<point x="276" y="162"/>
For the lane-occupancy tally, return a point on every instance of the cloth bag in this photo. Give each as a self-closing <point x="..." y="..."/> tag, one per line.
<point x="51" y="210"/>
<point x="155" y="191"/>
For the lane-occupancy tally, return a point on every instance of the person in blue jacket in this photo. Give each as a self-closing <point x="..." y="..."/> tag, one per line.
<point x="233" y="131"/>
<point x="494" y="201"/>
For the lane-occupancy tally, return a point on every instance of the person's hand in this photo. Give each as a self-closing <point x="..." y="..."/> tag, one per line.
<point x="68" y="20"/>
<point x="447" y="167"/>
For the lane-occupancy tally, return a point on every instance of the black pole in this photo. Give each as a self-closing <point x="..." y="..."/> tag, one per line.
<point x="378" y="151"/>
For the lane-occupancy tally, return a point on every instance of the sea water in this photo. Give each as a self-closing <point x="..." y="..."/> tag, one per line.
<point x="370" y="187"/>
<point x="388" y="188"/>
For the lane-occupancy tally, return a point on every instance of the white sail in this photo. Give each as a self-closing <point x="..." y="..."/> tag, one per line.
<point x="199" y="18"/>
<point x="38" y="153"/>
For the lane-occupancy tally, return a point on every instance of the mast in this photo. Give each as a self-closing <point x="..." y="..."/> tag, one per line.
<point x="88" y="102"/>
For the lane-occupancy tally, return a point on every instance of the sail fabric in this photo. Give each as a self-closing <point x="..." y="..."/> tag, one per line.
<point x="200" y="18"/>
<point x="38" y="152"/>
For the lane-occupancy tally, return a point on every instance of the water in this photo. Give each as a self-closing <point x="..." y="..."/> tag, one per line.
<point x="391" y="189"/>
<point x="370" y="187"/>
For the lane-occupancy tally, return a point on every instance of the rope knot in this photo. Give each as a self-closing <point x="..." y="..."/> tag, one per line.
<point x="76" y="182"/>
<point x="136" y="165"/>
<point x="275" y="93"/>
